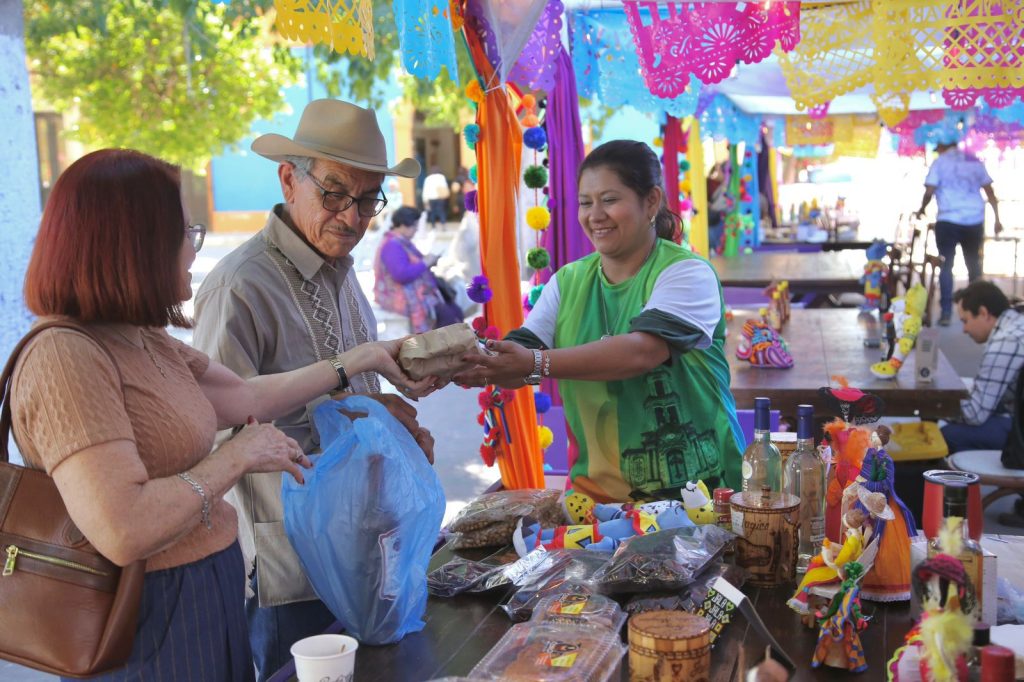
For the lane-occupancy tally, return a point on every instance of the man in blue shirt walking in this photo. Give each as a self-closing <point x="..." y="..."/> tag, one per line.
<point x="956" y="180"/>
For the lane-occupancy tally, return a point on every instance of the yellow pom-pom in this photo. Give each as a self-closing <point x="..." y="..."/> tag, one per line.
<point x="474" y="92"/>
<point x="658" y="142"/>
<point x="538" y="217"/>
<point x="684" y="186"/>
<point x="546" y="437"/>
<point x="529" y="102"/>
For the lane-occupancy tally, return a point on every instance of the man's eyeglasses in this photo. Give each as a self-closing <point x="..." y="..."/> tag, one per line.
<point x="197" y="235"/>
<point x="336" y="202"/>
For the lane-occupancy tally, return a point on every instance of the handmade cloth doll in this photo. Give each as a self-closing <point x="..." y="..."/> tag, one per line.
<point x="825" y="568"/>
<point x="839" y="643"/>
<point x="893" y="527"/>
<point x="936" y="646"/>
<point x="907" y="314"/>
<point x="602" y="536"/>
<point x="875" y="274"/>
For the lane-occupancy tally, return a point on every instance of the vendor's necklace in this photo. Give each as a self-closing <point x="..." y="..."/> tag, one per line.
<point x="604" y="306"/>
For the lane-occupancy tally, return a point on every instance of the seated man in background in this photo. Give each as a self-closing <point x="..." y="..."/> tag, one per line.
<point x="987" y="317"/>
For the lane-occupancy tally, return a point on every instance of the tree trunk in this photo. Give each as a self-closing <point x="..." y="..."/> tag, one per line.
<point x="19" y="189"/>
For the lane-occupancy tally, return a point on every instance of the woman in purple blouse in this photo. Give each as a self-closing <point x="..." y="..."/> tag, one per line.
<point x="404" y="283"/>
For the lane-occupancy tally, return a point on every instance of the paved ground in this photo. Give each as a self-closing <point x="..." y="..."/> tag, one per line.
<point x="451" y="413"/>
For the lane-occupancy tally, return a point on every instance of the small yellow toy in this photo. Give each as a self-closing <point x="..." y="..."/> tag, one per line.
<point x="698" y="504"/>
<point x="907" y="313"/>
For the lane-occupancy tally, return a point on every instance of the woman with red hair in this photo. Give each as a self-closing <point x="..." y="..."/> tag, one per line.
<point x="123" y="418"/>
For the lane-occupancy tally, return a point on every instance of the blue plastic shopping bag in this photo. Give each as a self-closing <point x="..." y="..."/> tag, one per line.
<point x="366" y="520"/>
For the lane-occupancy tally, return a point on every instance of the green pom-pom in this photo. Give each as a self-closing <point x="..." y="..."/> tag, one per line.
<point x="538" y="258"/>
<point x="535" y="294"/>
<point x="535" y="177"/>
<point x="747" y="251"/>
<point x="684" y="165"/>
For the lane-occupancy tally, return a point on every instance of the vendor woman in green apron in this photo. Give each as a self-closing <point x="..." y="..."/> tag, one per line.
<point x="635" y="336"/>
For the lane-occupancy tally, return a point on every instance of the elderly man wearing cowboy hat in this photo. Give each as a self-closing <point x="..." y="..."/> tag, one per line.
<point x="288" y="297"/>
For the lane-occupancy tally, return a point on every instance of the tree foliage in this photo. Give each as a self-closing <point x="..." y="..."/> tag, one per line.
<point x="179" y="79"/>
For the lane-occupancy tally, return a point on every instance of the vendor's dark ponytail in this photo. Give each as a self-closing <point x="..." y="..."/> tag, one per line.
<point x="638" y="168"/>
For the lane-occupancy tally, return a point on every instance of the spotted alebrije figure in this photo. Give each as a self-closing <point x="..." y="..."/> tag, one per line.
<point x="907" y="314"/>
<point x="698" y="504"/>
<point x="839" y="644"/>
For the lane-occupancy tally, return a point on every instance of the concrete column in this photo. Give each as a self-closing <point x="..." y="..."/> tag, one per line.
<point x="19" y="191"/>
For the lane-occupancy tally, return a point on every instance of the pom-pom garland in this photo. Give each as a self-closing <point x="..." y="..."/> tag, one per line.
<point x="546" y="437"/>
<point x="538" y="217"/>
<point x="529" y="102"/>
<point x="535" y="294"/>
<point x="526" y="303"/>
<point x="535" y="138"/>
<point x="472" y="134"/>
<point x="479" y="290"/>
<point x="542" y="402"/>
<point x="538" y="258"/>
<point x="474" y="92"/>
<point x="531" y="121"/>
<point x="470" y="200"/>
<point x="684" y="165"/>
<point x="472" y="173"/>
<point x="535" y="177"/>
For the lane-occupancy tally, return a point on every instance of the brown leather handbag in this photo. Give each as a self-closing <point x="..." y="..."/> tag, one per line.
<point x="65" y="609"/>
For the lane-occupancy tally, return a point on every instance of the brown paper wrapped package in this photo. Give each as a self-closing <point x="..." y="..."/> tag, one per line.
<point x="438" y="352"/>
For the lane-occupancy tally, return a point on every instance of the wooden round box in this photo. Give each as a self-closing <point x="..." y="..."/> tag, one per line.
<point x="669" y="646"/>
<point x="768" y="526"/>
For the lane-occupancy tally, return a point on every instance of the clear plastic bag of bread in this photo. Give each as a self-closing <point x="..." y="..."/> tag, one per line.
<point x="438" y="352"/>
<point x="490" y="519"/>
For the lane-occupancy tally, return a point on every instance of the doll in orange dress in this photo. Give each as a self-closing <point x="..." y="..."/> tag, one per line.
<point x="893" y="527"/>
<point x="848" y="447"/>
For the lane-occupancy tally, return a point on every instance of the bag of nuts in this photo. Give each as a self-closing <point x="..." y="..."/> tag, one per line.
<point x="490" y="519"/>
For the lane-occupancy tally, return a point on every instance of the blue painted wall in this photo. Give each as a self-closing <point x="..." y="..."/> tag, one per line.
<point x="245" y="181"/>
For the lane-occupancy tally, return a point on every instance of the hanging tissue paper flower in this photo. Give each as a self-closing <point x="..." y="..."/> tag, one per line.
<point x="538" y="217"/>
<point x="538" y="258"/>
<point x="535" y="177"/>
<point x="535" y="138"/>
<point x="472" y="134"/>
<point x="479" y="290"/>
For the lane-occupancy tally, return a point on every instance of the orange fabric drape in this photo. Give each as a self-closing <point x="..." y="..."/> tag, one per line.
<point x="498" y="160"/>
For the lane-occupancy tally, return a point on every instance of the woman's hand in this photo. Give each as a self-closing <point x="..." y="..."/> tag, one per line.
<point x="263" y="448"/>
<point x="506" y="365"/>
<point x="385" y="362"/>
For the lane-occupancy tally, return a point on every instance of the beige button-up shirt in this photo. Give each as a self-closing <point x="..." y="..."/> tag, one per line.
<point x="274" y="305"/>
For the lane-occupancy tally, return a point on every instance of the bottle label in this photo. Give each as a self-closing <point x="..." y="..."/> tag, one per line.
<point x="973" y="568"/>
<point x="748" y="470"/>
<point x="737" y="522"/>
<point x="817" y="530"/>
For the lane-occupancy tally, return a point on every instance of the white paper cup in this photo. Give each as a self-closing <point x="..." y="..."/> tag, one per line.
<point x="325" y="658"/>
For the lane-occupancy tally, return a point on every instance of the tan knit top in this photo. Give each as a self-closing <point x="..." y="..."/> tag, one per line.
<point x="66" y="396"/>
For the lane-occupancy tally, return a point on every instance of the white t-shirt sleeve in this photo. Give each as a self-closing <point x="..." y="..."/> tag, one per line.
<point x="689" y="290"/>
<point x="541" y="320"/>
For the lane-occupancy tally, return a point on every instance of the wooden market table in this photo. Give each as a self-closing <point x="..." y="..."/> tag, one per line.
<point x="461" y="630"/>
<point x="823" y="272"/>
<point x="830" y="341"/>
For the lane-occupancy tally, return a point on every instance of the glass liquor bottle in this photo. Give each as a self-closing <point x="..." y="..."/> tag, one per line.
<point x="762" y="462"/>
<point x="954" y="499"/>
<point x="804" y="476"/>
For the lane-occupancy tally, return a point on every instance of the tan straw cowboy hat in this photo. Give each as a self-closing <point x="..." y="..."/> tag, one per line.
<point x="337" y="131"/>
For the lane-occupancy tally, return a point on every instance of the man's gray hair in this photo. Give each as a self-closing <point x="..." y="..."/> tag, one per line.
<point x="302" y="163"/>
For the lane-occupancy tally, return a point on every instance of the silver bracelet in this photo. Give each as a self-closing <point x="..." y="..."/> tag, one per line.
<point x="199" y="490"/>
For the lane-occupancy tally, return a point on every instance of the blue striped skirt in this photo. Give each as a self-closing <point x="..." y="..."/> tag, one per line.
<point x="192" y="625"/>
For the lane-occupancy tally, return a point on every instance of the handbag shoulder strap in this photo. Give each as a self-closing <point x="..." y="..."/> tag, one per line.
<point x="5" y="378"/>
